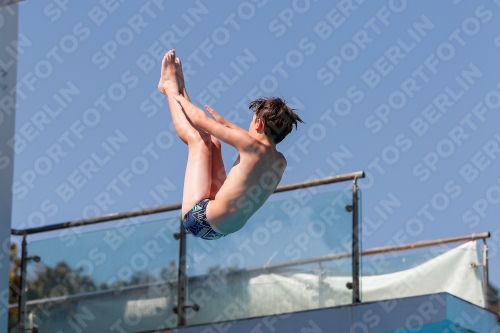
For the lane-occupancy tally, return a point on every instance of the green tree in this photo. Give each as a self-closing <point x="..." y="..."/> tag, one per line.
<point x="61" y="280"/>
<point x="170" y="272"/>
<point x="14" y="284"/>
<point x="48" y="282"/>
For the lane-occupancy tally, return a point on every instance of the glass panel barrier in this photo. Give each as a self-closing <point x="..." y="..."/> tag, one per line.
<point x="271" y="265"/>
<point x="455" y="269"/>
<point x="118" y="279"/>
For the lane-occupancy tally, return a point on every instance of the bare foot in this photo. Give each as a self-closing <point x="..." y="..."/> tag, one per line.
<point x="168" y="79"/>
<point x="180" y="78"/>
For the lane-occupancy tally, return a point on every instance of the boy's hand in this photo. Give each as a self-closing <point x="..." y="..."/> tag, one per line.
<point x="175" y="96"/>
<point x="194" y="113"/>
<point x="217" y="116"/>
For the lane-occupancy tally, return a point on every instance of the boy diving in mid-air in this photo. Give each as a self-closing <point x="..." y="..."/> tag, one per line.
<point x="213" y="204"/>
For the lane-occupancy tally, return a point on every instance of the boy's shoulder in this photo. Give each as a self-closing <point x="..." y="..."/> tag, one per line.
<point x="267" y="155"/>
<point x="279" y="156"/>
<point x="276" y="158"/>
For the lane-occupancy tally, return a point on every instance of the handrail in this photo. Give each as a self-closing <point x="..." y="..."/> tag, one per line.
<point x="166" y="208"/>
<point x="420" y="244"/>
<point x="373" y="251"/>
<point x="95" y="294"/>
<point x="266" y="268"/>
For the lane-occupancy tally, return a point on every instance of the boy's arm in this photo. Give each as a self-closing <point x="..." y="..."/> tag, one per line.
<point x="221" y="120"/>
<point x="228" y="133"/>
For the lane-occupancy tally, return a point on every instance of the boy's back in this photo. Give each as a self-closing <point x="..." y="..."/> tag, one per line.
<point x="253" y="178"/>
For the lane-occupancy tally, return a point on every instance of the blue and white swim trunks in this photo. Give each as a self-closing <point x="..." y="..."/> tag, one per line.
<point x="195" y="221"/>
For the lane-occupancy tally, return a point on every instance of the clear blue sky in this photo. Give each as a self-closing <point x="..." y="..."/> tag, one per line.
<point x="406" y="91"/>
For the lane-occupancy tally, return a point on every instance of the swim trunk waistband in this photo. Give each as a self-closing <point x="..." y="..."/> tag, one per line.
<point x="195" y="222"/>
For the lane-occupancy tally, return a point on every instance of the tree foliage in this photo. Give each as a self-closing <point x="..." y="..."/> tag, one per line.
<point x="63" y="280"/>
<point x="14" y="282"/>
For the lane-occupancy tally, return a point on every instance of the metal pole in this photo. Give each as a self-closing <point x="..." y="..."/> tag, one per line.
<point x="320" y="285"/>
<point x="182" y="279"/>
<point x="355" y="244"/>
<point x="22" y="287"/>
<point x="485" y="274"/>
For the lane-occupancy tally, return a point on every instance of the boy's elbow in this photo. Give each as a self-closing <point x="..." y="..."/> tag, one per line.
<point x="202" y="122"/>
<point x="197" y="120"/>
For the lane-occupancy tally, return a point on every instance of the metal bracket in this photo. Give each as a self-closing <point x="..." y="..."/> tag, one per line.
<point x="177" y="235"/>
<point x="348" y="285"/>
<point x="474" y="265"/>
<point x="195" y="308"/>
<point x="349" y="208"/>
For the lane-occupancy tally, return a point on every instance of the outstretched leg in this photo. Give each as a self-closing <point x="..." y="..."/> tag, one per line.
<point x="180" y="79"/>
<point x="198" y="178"/>
<point x="168" y="82"/>
<point x="218" y="170"/>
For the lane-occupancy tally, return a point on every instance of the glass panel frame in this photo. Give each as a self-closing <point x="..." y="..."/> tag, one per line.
<point x="122" y="276"/>
<point x="287" y="251"/>
<point x="267" y="260"/>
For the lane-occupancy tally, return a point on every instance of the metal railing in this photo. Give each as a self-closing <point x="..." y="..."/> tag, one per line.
<point x="167" y="208"/>
<point x="275" y="267"/>
<point x="181" y="236"/>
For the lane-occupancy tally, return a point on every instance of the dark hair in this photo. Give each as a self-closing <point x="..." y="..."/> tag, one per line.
<point x="278" y="118"/>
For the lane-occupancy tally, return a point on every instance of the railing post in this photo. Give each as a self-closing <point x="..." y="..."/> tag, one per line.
<point x="485" y="273"/>
<point x="181" y="279"/>
<point x="355" y="244"/>
<point x="22" y="287"/>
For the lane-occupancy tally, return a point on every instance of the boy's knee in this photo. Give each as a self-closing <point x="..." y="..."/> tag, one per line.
<point x="197" y="137"/>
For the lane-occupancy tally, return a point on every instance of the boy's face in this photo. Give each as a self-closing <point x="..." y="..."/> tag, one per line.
<point x="252" y="123"/>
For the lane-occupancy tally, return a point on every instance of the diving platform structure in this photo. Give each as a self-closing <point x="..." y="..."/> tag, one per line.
<point x="297" y="266"/>
<point x="440" y="312"/>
